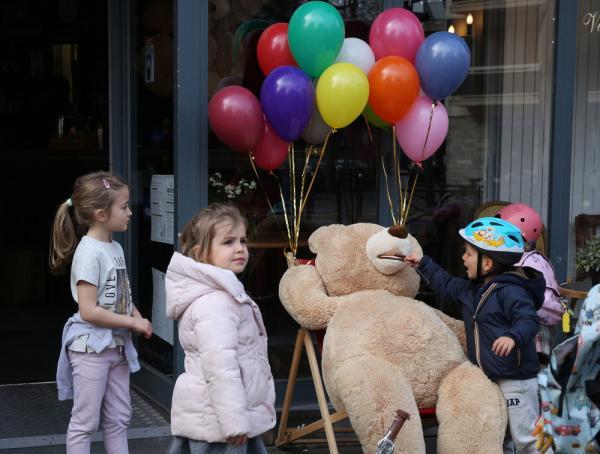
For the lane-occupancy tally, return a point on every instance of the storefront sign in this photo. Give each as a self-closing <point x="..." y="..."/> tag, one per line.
<point x="592" y="21"/>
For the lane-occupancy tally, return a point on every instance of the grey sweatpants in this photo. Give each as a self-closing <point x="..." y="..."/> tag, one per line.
<point x="523" y="408"/>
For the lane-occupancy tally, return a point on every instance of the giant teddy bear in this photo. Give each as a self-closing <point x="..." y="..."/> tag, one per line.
<point x="384" y="350"/>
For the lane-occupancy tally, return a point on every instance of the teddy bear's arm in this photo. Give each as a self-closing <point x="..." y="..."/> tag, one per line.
<point x="456" y="326"/>
<point x="302" y="293"/>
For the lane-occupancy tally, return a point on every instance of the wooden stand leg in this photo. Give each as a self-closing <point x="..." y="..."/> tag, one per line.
<point x="316" y="374"/>
<point x="289" y="391"/>
<point x="286" y="435"/>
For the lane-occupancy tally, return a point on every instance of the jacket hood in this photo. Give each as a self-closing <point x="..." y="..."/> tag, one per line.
<point x="188" y="280"/>
<point x="528" y="278"/>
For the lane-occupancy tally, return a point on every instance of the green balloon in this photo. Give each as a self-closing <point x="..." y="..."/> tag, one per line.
<point x="315" y="34"/>
<point x="373" y="118"/>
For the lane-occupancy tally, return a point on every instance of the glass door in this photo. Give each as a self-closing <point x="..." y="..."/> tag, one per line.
<point x="152" y="230"/>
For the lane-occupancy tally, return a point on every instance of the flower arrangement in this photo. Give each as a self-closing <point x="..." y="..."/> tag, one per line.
<point x="230" y="191"/>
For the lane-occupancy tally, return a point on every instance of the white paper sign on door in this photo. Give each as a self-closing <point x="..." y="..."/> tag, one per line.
<point x="161" y="325"/>
<point x="162" y="208"/>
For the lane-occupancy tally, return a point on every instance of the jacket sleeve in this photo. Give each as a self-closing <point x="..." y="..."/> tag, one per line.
<point x="524" y="320"/>
<point x="216" y="321"/>
<point x="446" y="286"/>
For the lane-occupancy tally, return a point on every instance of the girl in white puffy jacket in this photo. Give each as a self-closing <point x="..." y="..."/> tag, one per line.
<point x="225" y="399"/>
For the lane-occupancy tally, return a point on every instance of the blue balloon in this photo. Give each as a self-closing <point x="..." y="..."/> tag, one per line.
<point x="442" y="62"/>
<point x="287" y="97"/>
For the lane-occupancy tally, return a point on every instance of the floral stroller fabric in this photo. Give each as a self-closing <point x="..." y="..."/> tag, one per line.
<point x="569" y="415"/>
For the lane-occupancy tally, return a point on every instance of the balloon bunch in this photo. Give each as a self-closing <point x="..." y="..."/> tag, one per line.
<point x="317" y="82"/>
<point x="411" y="76"/>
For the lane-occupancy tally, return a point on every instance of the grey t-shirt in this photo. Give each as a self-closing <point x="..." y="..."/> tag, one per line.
<point x="103" y="265"/>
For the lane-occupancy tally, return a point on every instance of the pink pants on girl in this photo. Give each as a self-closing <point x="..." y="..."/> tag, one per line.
<point x="101" y="389"/>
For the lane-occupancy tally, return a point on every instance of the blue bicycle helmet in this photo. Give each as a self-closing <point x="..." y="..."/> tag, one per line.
<point x="497" y="238"/>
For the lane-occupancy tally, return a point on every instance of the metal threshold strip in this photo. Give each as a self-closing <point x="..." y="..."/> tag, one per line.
<point x="32" y="416"/>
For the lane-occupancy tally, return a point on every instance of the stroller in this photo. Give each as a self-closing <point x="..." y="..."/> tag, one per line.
<point x="570" y="387"/>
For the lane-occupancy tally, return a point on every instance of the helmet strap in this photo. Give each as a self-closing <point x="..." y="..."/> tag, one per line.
<point x="480" y="275"/>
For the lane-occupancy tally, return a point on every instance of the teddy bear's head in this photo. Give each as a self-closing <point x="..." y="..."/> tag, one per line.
<point x="365" y="257"/>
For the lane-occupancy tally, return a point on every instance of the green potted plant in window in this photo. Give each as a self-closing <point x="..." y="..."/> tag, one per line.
<point x="588" y="259"/>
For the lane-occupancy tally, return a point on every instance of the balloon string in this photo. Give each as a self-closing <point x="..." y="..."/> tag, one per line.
<point x="285" y="216"/>
<point x="408" y="199"/>
<point x="302" y="183"/>
<point x="263" y="187"/>
<point x="428" y="130"/>
<point x="368" y="127"/>
<point x="397" y="172"/>
<point x="316" y="169"/>
<point x="293" y="195"/>
<point x="407" y="208"/>
<point x="387" y="190"/>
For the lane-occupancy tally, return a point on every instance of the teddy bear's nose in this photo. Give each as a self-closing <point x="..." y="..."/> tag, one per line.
<point x="399" y="231"/>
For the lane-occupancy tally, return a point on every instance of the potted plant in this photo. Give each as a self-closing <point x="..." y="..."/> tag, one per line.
<point x="588" y="259"/>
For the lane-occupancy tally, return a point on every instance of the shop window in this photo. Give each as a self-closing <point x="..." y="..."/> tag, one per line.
<point x="497" y="146"/>
<point x="585" y="164"/>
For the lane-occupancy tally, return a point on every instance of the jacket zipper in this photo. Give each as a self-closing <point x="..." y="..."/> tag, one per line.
<point x="483" y="299"/>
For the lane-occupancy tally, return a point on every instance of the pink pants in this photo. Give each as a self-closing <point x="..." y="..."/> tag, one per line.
<point x="101" y="389"/>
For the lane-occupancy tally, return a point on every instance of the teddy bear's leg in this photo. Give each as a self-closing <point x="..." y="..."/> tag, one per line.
<point x="471" y="413"/>
<point x="371" y="391"/>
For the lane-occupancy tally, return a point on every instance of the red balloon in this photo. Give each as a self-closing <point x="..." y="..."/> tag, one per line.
<point x="236" y="118"/>
<point x="273" y="49"/>
<point x="396" y="31"/>
<point x="393" y="88"/>
<point x="271" y="151"/>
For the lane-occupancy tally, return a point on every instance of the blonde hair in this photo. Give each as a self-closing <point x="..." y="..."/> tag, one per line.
<point x="200" y="231"/>
<point x="91" y="192"/>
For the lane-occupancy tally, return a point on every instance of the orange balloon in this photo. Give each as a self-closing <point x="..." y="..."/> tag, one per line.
<point x="393" y="88"/>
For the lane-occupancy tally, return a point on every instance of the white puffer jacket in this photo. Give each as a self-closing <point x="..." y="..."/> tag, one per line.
<point x="227" y="388"/>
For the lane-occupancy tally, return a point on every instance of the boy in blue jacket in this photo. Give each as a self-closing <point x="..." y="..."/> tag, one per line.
<point x="499" y="303"/>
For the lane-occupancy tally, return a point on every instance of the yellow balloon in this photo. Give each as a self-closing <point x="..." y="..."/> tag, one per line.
<point x="342" y="94"/>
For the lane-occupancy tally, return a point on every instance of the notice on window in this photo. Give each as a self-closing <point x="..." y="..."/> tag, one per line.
<point x="162" y="208"/>
<point x="161" y="325"/>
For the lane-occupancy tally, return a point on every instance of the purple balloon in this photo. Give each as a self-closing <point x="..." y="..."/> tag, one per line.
<point x="287" y="97"/>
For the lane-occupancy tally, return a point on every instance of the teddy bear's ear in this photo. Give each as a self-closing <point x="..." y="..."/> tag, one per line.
<point x="321" y="235"/>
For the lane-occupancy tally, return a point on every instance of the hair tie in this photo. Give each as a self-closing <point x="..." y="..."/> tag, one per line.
<point x="69" y="202"/>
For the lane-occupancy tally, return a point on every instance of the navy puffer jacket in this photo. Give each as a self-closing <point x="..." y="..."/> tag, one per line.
<point x="504" y="306"/>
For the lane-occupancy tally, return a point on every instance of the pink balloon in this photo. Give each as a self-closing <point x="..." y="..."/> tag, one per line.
<point x="271" y="151"/>
<point x="411" y="130"/>
<point x="396" y="31"/>
<point x="236" y="117"/>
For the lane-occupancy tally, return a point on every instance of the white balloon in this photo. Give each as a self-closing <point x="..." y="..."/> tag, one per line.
<point x="357" y="52"/>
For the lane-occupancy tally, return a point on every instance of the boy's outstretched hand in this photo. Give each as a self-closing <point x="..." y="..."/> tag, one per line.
<point x="412" y="259"/>
<point x="503" y="345"/>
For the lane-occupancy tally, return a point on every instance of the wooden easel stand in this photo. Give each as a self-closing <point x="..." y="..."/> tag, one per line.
<point x="287" y="435"/>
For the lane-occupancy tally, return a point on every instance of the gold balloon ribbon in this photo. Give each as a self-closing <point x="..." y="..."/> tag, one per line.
<point x="285" y="215"/>
<point x="368" y="126"/>
<point x="419" y="166"/>
<point x="309" y="152"/>
<point x="387" y="190"/>
<point x="398" y="174"/>
<point x="251" y="157"/>
<point x="428" y="130"/>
